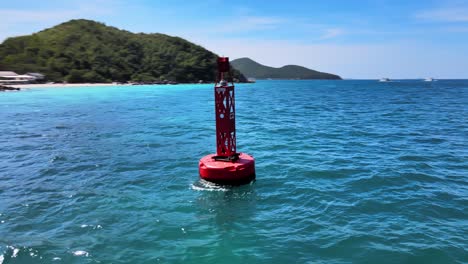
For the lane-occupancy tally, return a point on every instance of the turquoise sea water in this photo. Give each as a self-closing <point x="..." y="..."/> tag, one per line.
<point x="347" y="172"/>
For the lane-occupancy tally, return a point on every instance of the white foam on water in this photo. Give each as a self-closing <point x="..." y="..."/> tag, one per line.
<point x="91" y="226"/>
<point x="203" y="185"/>
<point x="80" y="253"/>
<point x="15" y="253"/>
<point x="56" y="258"/>
<point x="33" y="253"/>
<point x="2" y="258"/>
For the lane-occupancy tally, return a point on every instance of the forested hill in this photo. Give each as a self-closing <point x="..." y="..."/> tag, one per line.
<point x="254" y="69"/>
<point x="88" y="51"/>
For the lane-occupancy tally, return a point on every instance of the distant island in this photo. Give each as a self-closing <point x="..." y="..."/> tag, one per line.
<point x="81" y="51"/>
<point x="253" y="69"/>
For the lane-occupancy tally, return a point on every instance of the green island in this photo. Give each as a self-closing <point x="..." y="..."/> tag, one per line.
<point x="253" y="69"/>
<point x="81" y="51"/>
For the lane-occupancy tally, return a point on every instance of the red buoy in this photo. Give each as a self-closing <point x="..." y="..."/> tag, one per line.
<point x="226" y="166"/>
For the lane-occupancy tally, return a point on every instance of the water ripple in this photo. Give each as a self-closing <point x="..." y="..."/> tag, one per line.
<point x="347" y="172"/>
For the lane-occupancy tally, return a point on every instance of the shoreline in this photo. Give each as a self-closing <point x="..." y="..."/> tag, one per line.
<point x="80" y="85"/>
<point x="60" y="85"/>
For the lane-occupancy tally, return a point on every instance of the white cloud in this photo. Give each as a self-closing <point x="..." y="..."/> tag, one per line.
<point x="449" y="14"/>
<point x="331" y="33"/>
<point x="75" y="10"/>
<point x="249" y="23"/>
<point x="15" y="22"/>
<point x="27" y="16"/>
<point x="456" y="29"/>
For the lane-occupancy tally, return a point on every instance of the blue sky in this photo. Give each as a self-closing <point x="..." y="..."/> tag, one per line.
<point x="355" y="39"/>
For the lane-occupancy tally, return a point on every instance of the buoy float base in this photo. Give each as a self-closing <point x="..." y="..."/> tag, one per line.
<point x="238" y="172"/>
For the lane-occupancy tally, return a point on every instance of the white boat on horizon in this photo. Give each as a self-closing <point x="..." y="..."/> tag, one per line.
<point x="429" y="80"/>
<point x="384" y="80"/>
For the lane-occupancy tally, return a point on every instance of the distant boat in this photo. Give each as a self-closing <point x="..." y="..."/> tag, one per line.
<point x="384" y="80"/>
<point x="429" y="80"/>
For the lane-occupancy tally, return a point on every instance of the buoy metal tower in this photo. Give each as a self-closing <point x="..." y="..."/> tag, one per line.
<point x="227" y="166"/>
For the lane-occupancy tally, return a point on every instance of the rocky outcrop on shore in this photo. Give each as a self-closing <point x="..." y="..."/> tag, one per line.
<point x="7" y="88"/>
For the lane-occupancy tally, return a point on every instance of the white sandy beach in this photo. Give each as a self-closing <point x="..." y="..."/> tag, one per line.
<point x="60" y="85"/>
